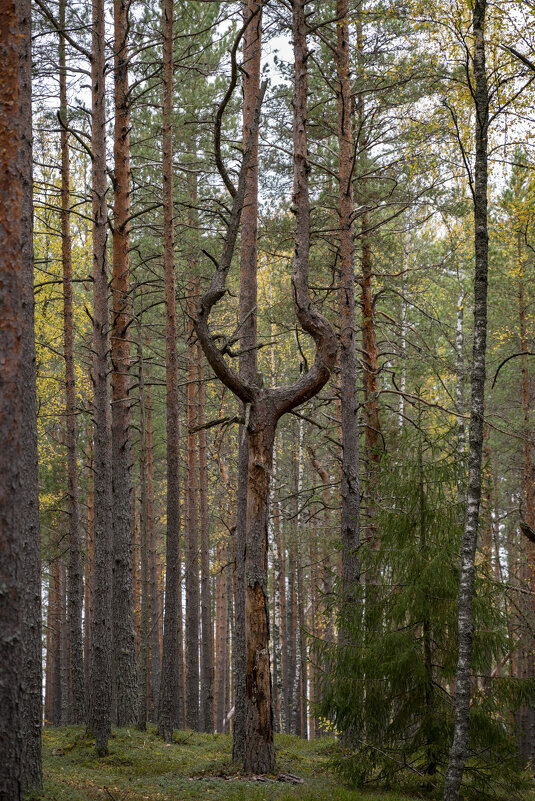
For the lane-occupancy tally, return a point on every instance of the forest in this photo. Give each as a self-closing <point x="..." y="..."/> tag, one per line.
<point x="267" y="468"/>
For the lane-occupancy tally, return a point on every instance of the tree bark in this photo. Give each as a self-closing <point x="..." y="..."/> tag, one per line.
<point x="350" y="506"/>
<point x="89" y="565"/>
<point x="15" y="264"/>
<point x="32" y="646"/>
<point x="75" y="588"/>
<point x="221" y="655"/>
<point x="154" y="562"/>
<point x="526" y="714"/>
<point x="170" y="702"/>
<point x="369" y="336"/>
<point x="207" y="669"/>
<point x="461" y="735"/>
<point x="143" y="546"/>
<point x="280" y="580"/>
<point x="125" y="673"/>
<point x="192" y="527"/>
<point x="101" y="640"/>
<point x="252" y="47"/>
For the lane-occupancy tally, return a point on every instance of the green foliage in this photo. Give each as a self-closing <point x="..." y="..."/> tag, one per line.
<point x="389" y="686"/>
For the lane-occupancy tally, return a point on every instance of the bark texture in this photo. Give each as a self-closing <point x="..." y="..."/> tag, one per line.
<point x="192" y="529"/>
<point x="252" y="46"/>
<point x="207" y="669"/>
<point x="170" y="702"/>
<point x="75" y="580"/>
<point x="143" y="547"/>
<point x="14" y="182"/>
<point x="350" y="511"/>
<point x="101" y="640"/>
<point x="461" y="736"/>
<point x="32" y="669"/>
<point x="125" y="673"/>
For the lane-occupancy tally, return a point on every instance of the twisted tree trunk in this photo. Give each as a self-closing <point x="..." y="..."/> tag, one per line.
<point x="264" y="407"/>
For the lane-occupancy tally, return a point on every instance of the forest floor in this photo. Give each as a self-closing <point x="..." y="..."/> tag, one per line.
<point x="140" y="767"/>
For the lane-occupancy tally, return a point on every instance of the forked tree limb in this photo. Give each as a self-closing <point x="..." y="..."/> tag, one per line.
<point x="281" y="399"/>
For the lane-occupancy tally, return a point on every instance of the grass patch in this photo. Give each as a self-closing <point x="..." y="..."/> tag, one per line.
<point x="195" y="767"/>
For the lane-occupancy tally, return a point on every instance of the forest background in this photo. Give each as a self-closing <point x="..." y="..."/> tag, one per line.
<point x="202" y="147"/>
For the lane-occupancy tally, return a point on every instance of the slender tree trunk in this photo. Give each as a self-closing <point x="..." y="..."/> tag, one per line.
<point x="53" y="660"/>
<point x="461" y="735"/>
<point x="101" y="640"/>
<point x="221" y="635"/>
<point x="207" y="670"/>
<point x="313" y="722"/>
<point x="229" y="699"/>
<point x="75" y="588"/>
<point x="125" y="673"/>
<point x="192" y="527"/>
<point x="299" y="608"/>
<point x="291" y="634"/>
<point x="153" y="560"/>
<point x="275" y="604"/>
<point x="144" y="546"/>
<point x="527" y="714"/>
<point x="252" y="46"/>
<point x="89" y="565"/>
<point x="31" y="678"/>
<point x="170" y="702"/>
<point x="369" y="334"/>
<point x="136" y="572"/>
<point x="303" y="661"/>
<point x="350" y="508"/>
<point x="280" y="579"/>
<point x="64" y="645"/>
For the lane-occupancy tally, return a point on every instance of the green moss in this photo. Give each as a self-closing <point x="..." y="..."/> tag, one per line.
<point x="140" y="767"/>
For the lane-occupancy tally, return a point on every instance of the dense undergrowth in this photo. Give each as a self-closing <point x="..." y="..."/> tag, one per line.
<point x="140" y="767"/>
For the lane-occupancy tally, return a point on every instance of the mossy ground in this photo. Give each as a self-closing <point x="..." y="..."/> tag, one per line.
<point x="140" y="767"/>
